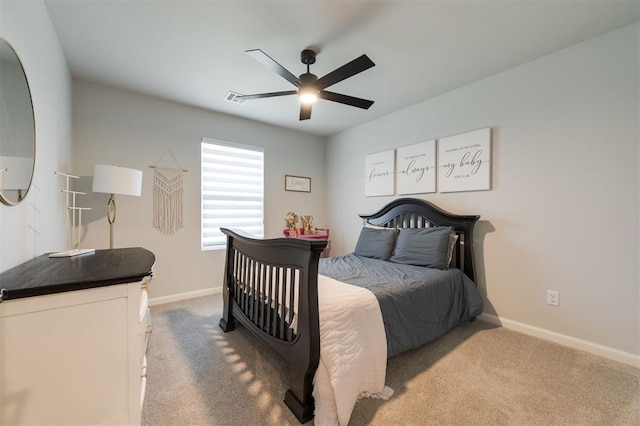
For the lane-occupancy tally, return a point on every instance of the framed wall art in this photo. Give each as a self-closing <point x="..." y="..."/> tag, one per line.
<point x="464" y="162"/>
<point x="379" y="173"/>
<point x="416" y="168"/>
<point x="297" y="183"/>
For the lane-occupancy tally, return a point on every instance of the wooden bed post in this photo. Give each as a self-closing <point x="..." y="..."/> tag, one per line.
<point x="227" y="322"/>
<point x="306" y="357"/>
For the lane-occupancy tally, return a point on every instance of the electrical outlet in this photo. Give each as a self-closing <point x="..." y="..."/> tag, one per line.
<point x="553" y="298"/>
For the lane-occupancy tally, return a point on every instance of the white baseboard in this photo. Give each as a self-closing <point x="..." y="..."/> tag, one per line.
<point x="184" y="296"/>
<point x="572" y="342"/>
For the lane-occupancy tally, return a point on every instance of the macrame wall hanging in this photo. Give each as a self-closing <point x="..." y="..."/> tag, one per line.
<point x="167" y="196"/>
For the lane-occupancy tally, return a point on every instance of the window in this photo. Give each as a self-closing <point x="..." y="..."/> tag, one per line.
<point x="232" y="191"/>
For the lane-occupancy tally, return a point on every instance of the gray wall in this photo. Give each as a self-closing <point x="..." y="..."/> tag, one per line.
<point x="121" y="128"/>
<point x="563" y="211"/>
<point x="37" y="225"/>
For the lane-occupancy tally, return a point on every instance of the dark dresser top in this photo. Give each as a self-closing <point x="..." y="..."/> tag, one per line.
<point x="45" y="275"/>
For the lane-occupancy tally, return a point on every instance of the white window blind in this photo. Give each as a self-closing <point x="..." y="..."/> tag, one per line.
<point x="232" y="191"/>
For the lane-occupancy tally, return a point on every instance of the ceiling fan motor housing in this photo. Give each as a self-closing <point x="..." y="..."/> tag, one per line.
<point x="307" y="79"/>
<point x="308" y="57"/>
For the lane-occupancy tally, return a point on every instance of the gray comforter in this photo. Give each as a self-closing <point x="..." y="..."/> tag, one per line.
<point x="417" y="303"/>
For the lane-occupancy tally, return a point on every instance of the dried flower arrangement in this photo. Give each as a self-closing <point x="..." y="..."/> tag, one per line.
<point x="291" y="220"/>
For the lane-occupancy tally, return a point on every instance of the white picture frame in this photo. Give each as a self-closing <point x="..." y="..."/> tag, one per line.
<point x="380" y="173"/>
<point x="416" y="168"/>
<point x="297" y="183"/>
<point x="464" y="162"/>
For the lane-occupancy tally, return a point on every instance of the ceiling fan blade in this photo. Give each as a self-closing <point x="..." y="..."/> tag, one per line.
<point x="267" y="61"/>
<point x="267" y="95"/>
<point x="345" y="99"/>
<point x="305" y="111"/>
<point x="354" y="67"/>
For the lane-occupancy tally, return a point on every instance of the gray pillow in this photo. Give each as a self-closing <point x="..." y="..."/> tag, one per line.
<point x="423" y="247"/>
<point x="376" y="243"/>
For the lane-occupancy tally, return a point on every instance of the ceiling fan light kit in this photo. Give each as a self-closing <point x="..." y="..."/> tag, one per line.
<point x="309" y="86"/>
<point x="307" y="95"/>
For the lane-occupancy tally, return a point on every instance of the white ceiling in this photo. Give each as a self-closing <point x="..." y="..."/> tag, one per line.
<point x="193" y="51"/>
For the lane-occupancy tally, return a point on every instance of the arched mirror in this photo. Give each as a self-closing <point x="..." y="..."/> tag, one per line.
<point x="17" y="128"/>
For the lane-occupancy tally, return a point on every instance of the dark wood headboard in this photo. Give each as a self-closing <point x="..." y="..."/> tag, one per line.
<point x="416" y="213"/>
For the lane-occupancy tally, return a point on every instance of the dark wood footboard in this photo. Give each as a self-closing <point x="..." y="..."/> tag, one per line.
<point x="271" y="287"/>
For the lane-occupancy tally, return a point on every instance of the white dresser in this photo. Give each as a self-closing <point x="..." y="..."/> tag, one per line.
<point x="73" y="338"/>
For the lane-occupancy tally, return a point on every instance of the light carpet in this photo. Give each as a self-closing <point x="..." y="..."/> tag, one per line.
<point x="477" y="374"/>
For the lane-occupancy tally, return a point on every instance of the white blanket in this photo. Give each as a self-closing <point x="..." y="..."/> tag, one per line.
<point x="353" y="351"/>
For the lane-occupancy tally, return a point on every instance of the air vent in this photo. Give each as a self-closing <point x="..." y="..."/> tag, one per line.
<point x="233" y="97"/>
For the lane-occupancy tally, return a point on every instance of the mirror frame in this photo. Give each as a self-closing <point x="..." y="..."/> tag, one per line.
<point x="4" y="198"/>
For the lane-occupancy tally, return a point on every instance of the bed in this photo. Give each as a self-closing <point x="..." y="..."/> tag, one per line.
<point x="294" y="302"/>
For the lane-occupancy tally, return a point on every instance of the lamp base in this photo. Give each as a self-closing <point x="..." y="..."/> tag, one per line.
<point x="70" y="253"/>
<point x="111" y="217"/>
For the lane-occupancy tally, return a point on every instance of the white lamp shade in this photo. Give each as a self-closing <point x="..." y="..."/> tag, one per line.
<point x="117" y="180"/>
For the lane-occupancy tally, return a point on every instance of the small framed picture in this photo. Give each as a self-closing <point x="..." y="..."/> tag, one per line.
<point x="297" y="183"/>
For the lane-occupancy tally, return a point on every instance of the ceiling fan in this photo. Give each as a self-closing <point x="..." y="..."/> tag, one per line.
<point x="309" y="86"/>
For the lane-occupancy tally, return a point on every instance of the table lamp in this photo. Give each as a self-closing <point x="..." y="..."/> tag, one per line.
<point x="116" y="180"/>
